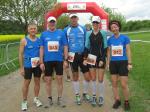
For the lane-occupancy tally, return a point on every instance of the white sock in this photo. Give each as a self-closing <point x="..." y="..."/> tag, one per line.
<point x="85" y="86"/>
<point x="94" y="87"/>
<point x="76" y="87"/>
<point x="101" y="89"/>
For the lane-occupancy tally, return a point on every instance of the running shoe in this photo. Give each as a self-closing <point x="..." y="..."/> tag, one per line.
<point x="86" y="97"/>
<point x="93" y="102"/>
<point x="68" y="79"/>
<point x="78" y="99"/>
<point x="100" y="101"/>
<point x="49" y="102"/>
<point x="126" y="106"/>
<point x="116" y="104"/>
<point x="60" y="102"/>
<point x="24" y="106"/>
<point x="37" y="102"/>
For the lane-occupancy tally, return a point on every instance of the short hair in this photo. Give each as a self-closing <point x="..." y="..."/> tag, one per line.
<point x="32" y="24"/>
<point x="116" y="22"/>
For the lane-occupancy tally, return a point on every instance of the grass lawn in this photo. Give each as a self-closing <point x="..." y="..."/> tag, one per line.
<point x="12" y="53"/>
<point x="139" y="78"/>
<point x="5" y="71"/>
<point x="140" y="36"/>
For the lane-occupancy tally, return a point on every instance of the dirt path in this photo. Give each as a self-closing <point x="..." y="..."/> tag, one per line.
<point x="11" y="97"/>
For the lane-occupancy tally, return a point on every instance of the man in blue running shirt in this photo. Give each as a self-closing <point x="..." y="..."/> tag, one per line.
<point x="29" y="64"/>
<point x="76" y="43"/>
<point x="53" y="51"/>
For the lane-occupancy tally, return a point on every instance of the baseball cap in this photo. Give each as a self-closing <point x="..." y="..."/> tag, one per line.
<point x="51" y="18"/>
<point x="96" y="19"/>
<point x="73" y="15"/>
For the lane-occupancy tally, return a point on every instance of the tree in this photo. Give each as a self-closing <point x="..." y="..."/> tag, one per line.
<point x="25" y="11"/>
<point x="88" y="26"/>
<point x="63" y="21"/>
<point x="115" y="15"/>
<point x="10" y="27"/>
<point x="137" y="25"/>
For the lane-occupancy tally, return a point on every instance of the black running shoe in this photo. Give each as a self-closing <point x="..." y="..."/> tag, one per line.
<point x="116" y="104"/>
<point x="126" y="106"/>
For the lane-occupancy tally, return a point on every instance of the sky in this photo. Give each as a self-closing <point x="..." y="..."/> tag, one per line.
<point x="131" y="9"/>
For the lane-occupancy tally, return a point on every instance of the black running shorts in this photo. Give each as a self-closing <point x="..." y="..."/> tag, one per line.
<point x="51" y="65"/>
<point x="29" y="71"/>
<point x="78" y="62"/>
<point x="119" y="67"/>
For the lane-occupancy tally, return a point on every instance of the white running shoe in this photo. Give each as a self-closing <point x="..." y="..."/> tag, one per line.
<point x="60" y="102"/>
<point x="101" y="101"/>
<point x="24" y="105"/>
<point x="37" y="102"/>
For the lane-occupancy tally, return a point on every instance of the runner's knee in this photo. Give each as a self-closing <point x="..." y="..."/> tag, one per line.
<point x="114" y="84"/>
<point x="124" y="85"/>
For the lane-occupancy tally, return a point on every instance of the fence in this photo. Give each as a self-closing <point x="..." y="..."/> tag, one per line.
<point x="8" y="54"/>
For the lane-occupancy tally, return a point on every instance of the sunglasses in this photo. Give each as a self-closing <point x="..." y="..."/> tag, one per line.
<point x="52" y="21"/>
<point x="73" y="17"/>
<point x="95" y="22"/>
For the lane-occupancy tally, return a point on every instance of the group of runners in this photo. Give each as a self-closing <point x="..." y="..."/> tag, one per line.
<point x="76" y="48"/>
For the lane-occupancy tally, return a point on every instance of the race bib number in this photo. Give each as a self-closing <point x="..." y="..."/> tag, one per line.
<point x="117" y="50"/>
<point x="35" y="62"/>
<point x="71" y="56"/>
<point x="53" y="46"/>
<point x="91" y="59"/>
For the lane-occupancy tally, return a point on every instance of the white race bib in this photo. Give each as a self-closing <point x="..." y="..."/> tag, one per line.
<point x="35" y="62"/>
<point x="53" y="46"/>
<point x="117" y="50"/>
<point x="71" y="56"/>
<point x="91" y="59"/>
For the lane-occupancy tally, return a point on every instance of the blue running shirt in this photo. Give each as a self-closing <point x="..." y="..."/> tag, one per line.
<point x="53" y="43"/>
<point x="76" y="38"/>
<point x="118" y="47"/>
<point x="31" y="50"/>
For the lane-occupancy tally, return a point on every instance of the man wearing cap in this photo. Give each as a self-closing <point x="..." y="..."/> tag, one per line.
<point x="76" y="43"/>
<point x="53" y="47"/>
<point x="96" y="45"/>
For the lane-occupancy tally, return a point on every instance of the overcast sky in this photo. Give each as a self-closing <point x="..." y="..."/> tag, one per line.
<point x="131" y="9"/>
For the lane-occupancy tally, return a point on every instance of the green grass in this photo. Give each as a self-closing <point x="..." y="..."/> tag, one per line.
<point x="140" y="36"/>
<point x="13" y="53"/>
<point x="5" y="71"/>
<point x="139" y="78"/>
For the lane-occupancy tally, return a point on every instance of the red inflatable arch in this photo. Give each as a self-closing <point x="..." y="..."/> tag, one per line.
<point x="81" y="7"/>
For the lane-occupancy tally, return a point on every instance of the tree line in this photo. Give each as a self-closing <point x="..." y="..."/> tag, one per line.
<point x="15" y="15"/>
<point x="135" y="25"/>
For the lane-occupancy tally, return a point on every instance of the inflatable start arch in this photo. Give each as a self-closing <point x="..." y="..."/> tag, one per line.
<point x="80" y="7"/>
